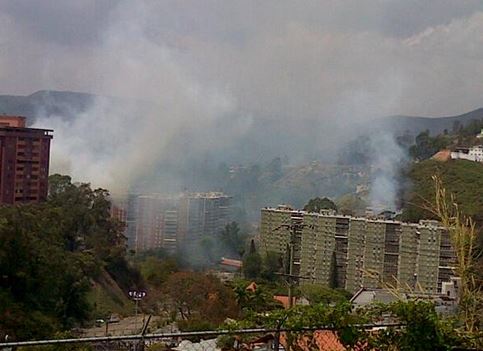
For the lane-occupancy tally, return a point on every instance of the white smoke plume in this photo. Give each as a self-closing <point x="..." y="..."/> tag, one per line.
<point x="199" y="75"/>
<point x="387" y="160"/>
<point x="117" y="141"/>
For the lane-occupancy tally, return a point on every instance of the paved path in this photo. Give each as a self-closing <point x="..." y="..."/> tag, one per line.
<point x="126" y="326"/>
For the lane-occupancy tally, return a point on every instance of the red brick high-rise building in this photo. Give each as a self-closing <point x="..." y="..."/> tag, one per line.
<point x="24" y="161"/>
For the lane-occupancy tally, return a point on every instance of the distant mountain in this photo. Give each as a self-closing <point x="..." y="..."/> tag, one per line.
<point x="66" y="104"/>
<point x="435" y="125"/>
<point x="46" y="103"/>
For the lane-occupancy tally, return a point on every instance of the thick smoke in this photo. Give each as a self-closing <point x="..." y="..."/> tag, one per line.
<point x="241" y="81"/>
<point x="117" y="141"/>
<point x="387" y="159"/>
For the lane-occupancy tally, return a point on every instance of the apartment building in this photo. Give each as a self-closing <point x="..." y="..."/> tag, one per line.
<point x="24" y="161"/>
<point x="349" y="252"/>
<point x="204" y="214"/>
<point x="408" y="257"/>
<point x="324" y="247"/>
<point x="280" y="228"/>
<point x="157" y="222"/>
<point x="173" y="222"/>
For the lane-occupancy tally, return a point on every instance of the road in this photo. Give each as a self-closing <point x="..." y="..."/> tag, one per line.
<point x="126" y="326"/>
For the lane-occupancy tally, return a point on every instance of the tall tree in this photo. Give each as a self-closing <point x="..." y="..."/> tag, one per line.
<point x="232" y="240"/>
<point x="252" y="263"/>
<point x="317" y="204"/>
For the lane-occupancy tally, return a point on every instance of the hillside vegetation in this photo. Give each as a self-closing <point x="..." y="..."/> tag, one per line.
<point x="463" y="179"/>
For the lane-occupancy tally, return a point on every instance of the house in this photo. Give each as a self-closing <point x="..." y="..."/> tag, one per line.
<point x="442" y="156"/>
<point x="230" y="263"/>
<point x="284" y="300"/>
<point x="445" y="302"/>
<point x="474" y="153"/>
<point x="367" y="296"/>
<point x="321" y="340"/>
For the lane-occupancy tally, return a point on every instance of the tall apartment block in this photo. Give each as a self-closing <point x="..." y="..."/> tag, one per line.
<point x="24" y="161"/>
<point x="154" y="225"/>
<point x="278" y="234"/>
<point x="348" y="252"/>
<point x="201" y="215"/>
<point x="173" y="222"/>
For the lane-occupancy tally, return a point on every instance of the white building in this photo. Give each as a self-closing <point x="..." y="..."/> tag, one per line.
<point x="474" y="153"/>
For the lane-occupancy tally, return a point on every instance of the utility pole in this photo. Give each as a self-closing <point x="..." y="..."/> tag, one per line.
<point x="292" y="279"/>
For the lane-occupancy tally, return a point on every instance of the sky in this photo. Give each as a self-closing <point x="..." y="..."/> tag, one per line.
<point x="308" y="59"/>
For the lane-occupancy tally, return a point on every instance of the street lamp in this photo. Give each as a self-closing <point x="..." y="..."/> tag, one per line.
<point x="136" y="296"/>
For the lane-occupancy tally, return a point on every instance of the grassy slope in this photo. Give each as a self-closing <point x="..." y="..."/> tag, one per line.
<point x="107" y="297"/>
<point x="462" y="178"/>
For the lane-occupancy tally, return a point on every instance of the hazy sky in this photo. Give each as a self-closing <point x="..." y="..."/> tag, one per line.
<point x="270" y="58"/>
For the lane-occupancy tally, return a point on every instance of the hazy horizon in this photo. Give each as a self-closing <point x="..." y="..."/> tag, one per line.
<point x="216" y="71"/>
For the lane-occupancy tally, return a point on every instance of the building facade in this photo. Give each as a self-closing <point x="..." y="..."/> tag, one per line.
<point x="173" y="222"/>
<point x="156" y="224"/>
<point x="24" y="161"/>
<point x="350" y="252"/>
<point x="474" y="153"/>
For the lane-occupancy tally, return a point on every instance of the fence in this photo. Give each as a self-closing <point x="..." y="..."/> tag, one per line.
<point x="323" y="338"/>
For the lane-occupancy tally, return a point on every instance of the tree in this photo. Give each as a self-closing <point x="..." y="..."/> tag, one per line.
<point x="49" y="252"/>
<point x="257" y="300"/>
<point x="272" y="264"/>
<point x="196" y="297"/>
<point x="322" y="294"/>
<point x="41" y="281"/>
<point x="426" y="146"/>
<point x="252" y="263"/>
<point x="233" y="241"/>
<point x="317" y="204"/>
<point x="157" y="271"/>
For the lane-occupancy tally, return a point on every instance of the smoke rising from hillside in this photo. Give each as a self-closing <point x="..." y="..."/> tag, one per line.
<point x="387" y="159"/>
<point x="242" y="81"/>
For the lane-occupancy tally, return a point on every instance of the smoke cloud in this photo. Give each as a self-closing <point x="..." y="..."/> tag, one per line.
<point x="237" y="81"/>
<point x="115" y="142"/>
<point x="387" y="160"/>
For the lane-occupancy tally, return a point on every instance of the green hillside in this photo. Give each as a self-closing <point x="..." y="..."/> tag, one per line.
<point x="106" y="297"/>
<point x="463" y="179"/>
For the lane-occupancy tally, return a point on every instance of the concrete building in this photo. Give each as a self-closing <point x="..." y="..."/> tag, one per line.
<point x="349" y="252"/>
<point x="172" y="222"/>
<point x="474" y="153"/>
<point x="276" y="234"/>
<point x="203" y="214"/>
<point x="355" y="253"/>
<point x="24" y="161"/>
<point x="408" y="256"/>
<point x="157" y="223"/>
<point x="445" y="302"/>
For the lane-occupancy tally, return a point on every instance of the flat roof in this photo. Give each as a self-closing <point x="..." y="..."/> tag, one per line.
<point x="25" y="129"/>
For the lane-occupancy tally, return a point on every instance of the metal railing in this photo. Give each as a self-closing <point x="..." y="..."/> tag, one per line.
<point x="174" y="340"/>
